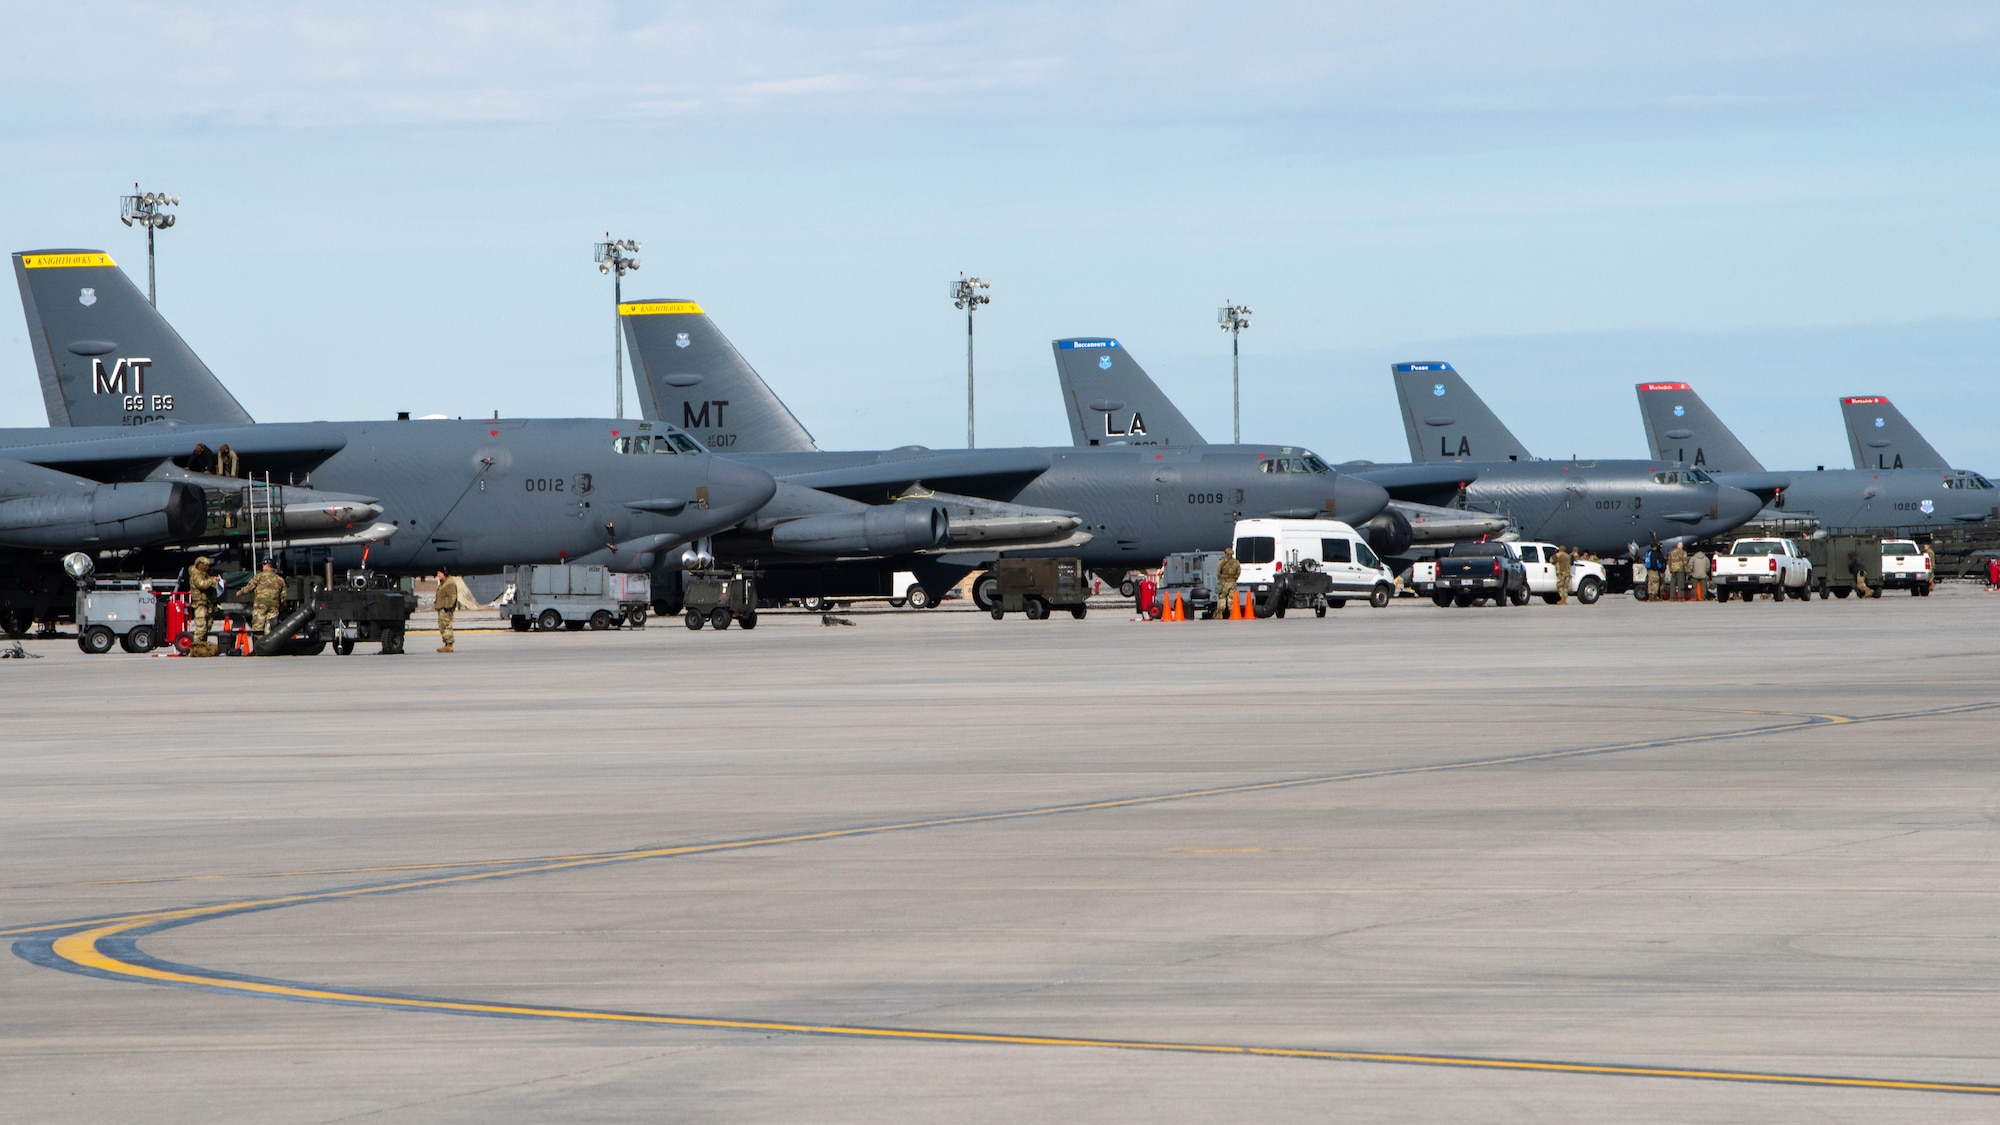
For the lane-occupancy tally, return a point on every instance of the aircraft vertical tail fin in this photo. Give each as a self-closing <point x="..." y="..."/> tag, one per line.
<point x="1881" y="438"/>
<point x="1681" y="427"/>
<point x="1445" y="420"/>
<point x="689" y="374"/>
<point x="1111" y="400"/>
<point x="104" y="355"/>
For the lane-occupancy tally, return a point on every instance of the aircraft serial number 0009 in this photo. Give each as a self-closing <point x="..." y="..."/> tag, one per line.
<point x="1206" y="498"/>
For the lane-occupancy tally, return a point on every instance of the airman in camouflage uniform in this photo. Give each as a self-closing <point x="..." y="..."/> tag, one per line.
<point x="447" y="608"/>
<point x="1563" y="560"/>
<point x="1677" y="570"/>
<point x="1226" y="573"/>
<point x="203" y="589"/>
<point x="267" y="596"/>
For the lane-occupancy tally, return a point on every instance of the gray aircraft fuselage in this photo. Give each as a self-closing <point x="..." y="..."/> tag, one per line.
<point x="1600" y="506"/>
<point x="1678" y="423"/>
<point x="1138" y="504"/>
<point x="462" y="494"/>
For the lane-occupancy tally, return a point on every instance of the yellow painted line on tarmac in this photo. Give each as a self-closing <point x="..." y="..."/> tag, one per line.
<point x="82" y="949"/>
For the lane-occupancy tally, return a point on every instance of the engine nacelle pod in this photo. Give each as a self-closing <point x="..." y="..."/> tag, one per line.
<point x="146" y="513"/>
<point x="1389" y="533"/>
<point x="892" y="529"/>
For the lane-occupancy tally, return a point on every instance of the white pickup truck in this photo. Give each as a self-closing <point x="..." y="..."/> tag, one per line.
<point x="1586" y="579"/>
<point x="1762" y="566"/>
<point x="1905" y="566"/>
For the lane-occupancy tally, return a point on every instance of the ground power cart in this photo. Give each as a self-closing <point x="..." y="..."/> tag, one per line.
<point x="1033" y="587"/>
<point x="717" y="597"/>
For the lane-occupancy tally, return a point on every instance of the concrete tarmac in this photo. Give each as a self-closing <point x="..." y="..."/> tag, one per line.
<point x="1625" y="862"/>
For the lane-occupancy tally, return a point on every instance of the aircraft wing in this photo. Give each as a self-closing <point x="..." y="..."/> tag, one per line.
<point x="94" y="452"/>
<point x="974" y="471"/>
<point x="1765" y="485"/>
<point x="1424" y="483"/>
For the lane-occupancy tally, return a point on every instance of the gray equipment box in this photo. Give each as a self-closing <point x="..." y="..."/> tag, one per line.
<point x="548" y="598"/>
<point x="1189" y="575"/>
<point x="124" y="612"/>
<point x="1032" y="587"/>
<point x="718" y="597"/>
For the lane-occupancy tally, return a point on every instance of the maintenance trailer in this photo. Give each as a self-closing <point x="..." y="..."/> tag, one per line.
<point x="1032" y="587"/>
<point x="570" y="597"/>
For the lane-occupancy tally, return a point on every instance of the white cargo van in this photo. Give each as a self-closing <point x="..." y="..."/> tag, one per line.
<point x="1266" y="547"/>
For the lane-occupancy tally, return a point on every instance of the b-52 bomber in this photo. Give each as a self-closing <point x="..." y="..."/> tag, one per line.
<point x="1111" y="400"/>
<point x="1868" y="500"/>
<point x="1608" y="507"/>
<point x="129" y="402"/>
<point x="1120" y="508"/>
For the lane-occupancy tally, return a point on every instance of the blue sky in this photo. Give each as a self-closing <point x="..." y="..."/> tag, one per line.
<point x="388" y="210"/>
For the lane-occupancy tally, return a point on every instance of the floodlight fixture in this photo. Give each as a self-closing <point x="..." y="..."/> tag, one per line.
<point x="611" y="259"/>
<point x="1233" y="319"/>
<point x="148" y="209"/>
<point x="966" y="294"/>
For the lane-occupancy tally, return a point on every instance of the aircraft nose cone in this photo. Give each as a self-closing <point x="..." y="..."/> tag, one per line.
<point x="1735" y="507"/>
<point x="735" y="490"/>
<point x="1356" y="501"/>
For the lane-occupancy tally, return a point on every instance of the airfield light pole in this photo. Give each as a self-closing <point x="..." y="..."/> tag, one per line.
<point x="965" y="294"/>
<point x="611" y="259"/>
<point x="147" y="209"/>
<point x="1233" y="319"/>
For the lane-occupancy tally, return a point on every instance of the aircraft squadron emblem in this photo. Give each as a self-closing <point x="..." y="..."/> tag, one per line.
<point x="1927" y="507"/>
<point x="1104" y="363"/>
<point x="87" y="297"/>
<point x="1437" y="389"/>
<point x="1878" y="423"/>
<point x="1679" y="411"/>
<point x="681" y="341"/>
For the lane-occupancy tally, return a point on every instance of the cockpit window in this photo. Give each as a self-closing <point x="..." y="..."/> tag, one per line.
<point x="1967" y="480"/>
<point x="1681" y="476"/>
<point x="1304" y="463"/>
<point x="657" y="443"/>
<point x="1698" y="476"/>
